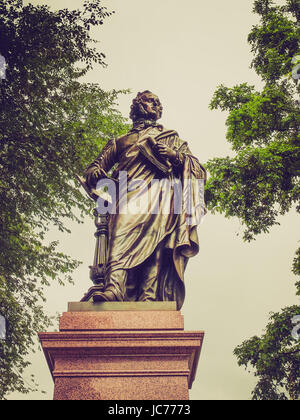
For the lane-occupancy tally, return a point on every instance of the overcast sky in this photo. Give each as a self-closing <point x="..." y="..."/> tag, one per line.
<point x="182" y="51"/>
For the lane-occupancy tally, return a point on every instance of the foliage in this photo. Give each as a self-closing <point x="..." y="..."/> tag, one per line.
<point x="261" y="181"/>
<point x="51" y="126"/>
<point x="275" y="358"/>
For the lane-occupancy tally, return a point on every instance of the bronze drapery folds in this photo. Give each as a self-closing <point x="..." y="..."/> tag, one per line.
<point x="152" y="228"/>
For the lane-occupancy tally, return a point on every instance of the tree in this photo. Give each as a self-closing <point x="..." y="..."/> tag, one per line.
<point x="274" y="357"/>
<point x="261" y="181"/>
<point x="51" y="125"/>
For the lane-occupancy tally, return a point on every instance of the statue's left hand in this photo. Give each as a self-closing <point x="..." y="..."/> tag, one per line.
<point x="165" y="151"/>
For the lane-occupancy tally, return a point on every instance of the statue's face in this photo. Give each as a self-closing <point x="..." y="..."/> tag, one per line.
<point x="150" y="104"/>
<point x="146" y="106"/>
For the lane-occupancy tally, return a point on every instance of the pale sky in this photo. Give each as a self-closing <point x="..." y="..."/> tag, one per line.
<point x="181" y="51"/>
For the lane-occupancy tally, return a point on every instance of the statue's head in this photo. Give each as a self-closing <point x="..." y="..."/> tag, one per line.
<point x="146" y="106"/>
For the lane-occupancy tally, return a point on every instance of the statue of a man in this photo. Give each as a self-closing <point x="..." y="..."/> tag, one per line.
<point x="149" y="249"/>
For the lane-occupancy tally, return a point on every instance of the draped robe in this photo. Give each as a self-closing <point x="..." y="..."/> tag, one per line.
<point x="145" y="218"/>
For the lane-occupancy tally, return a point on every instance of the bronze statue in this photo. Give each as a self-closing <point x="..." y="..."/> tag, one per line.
<point x="150" y="236"/>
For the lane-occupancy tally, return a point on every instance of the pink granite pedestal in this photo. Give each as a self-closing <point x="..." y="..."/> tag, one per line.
<point x="122" y="351"/>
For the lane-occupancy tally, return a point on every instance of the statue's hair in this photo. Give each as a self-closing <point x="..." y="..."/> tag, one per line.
<point x="137" y="100"/>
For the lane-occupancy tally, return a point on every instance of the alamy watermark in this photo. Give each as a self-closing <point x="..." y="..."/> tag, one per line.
<point x="159" y="196"/>
<point x="3" y="66"/>
<point x="2" y="328"/>
<point x="296" y="68"/>
<point x="296" y="329"/>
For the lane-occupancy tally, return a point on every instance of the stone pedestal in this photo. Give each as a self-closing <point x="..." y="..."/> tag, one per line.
<point x="122" y="351"/>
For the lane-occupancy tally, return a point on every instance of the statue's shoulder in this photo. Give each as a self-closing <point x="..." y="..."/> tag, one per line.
<point x="171" y="137"/>
<point x="120" y="139"/>
<point x="125" y="140"/>
<point x="165" y="132"/>
<point x="124" y="136"/>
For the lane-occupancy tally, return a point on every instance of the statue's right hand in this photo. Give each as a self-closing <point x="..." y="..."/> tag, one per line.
<point x="93" y="176"/>
<point x="97" y="174"/>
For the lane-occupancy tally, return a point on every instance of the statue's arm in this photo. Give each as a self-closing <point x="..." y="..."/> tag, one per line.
<point x="197" y="169"/>
<point x="178" y="154"/>
<point x="102" y="164"/>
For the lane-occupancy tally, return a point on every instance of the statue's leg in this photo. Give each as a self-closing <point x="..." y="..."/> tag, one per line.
<point x="149" y="273"/>
<point x="136" y="284"/>
<point x="115" y="287"/>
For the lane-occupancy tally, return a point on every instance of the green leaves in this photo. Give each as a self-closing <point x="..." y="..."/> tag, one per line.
<point x="257" y="118"/>
<point x="261" y="181"/>
<point x="275" y="40"/>
<point x="256" y="186"/>
<point x="275" y="358"/>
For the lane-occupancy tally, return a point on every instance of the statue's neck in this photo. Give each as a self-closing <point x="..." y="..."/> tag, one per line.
<point x="143" y="123"/>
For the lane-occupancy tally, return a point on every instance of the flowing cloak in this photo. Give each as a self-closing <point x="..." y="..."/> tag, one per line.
<point x="155" y="209"/>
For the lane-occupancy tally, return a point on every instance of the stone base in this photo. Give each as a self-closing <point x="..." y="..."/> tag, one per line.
<point x="133" y="352"/>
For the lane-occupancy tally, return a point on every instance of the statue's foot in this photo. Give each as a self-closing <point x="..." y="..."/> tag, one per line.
<point x="107" y="296"/>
